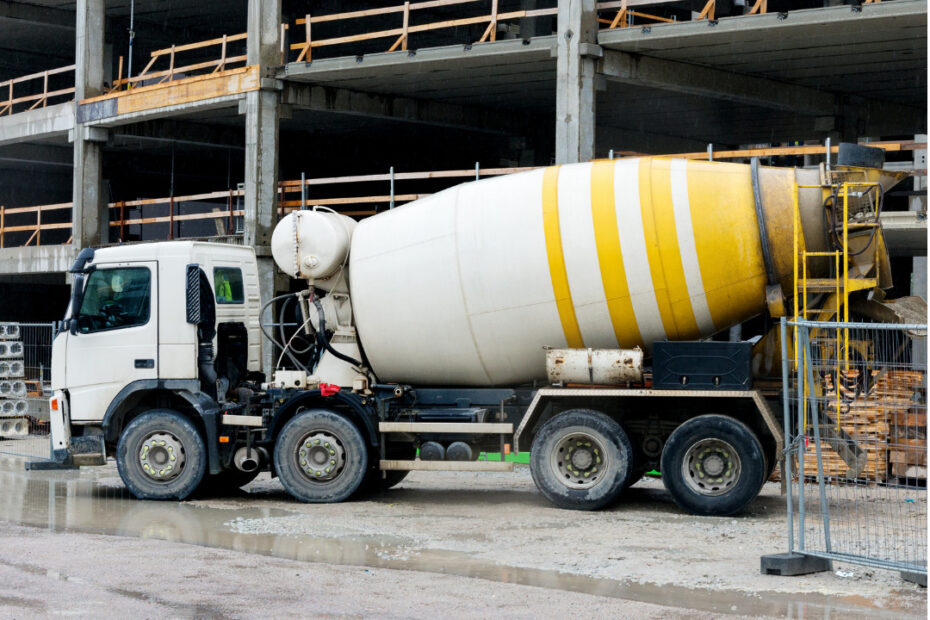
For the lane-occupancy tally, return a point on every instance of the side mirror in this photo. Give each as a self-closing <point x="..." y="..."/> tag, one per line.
<point x="77" y="296"/>
<point x="193" y="294"/>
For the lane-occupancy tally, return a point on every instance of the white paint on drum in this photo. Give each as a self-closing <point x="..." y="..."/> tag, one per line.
<point x="506" y="285"/>
<point x="408" y="302"/>
<point x="580" y="251"/>
<point x="633" y="248"/>
<point x="687" y="246"/>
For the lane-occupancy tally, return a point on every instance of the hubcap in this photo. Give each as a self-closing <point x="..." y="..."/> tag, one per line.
<point x="578" y="460"/>
<point x="321" y="456"/>
<point x="162" y="456"/>
<point x="711" y="467"/>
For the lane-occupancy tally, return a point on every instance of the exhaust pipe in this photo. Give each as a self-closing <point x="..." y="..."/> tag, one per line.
<point x="250" y="459"/>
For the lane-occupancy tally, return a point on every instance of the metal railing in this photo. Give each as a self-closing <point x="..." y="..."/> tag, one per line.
<point x="225" y="59"/>
<point x="36" y="99"/>
<point x="856" y="443"/>
<point x="33" y="225"/>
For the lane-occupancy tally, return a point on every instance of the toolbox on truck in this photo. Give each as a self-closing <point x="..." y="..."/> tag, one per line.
<point x="695" y="365"/>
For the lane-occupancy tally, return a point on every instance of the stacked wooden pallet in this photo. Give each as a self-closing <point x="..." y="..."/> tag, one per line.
<point x="907" y="441"/>
<point x="878" y="423"/>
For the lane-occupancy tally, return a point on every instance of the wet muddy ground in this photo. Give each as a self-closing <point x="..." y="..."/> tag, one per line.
<point x="447" y="544"/>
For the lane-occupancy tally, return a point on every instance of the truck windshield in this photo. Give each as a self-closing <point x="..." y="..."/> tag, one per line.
<point x="114" y="299"/>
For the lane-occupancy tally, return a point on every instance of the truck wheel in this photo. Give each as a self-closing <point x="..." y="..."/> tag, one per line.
<point x="226" y="482"/>
<point x="376" y="480"/>
<point x="321" y="457"/>
<point x="161" y="455"/>
<point x="713" y="465"/>
<point x="581" y="459"/>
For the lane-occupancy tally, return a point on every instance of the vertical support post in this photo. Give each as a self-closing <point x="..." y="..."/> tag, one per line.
<point x="403" y="44"/>
<point x="919" y="263"/>
<point x="229" y="204"/>
<point x="171" y="217"/>
<point x="119" y="75"/>
<point x="391" y="206"/>
<point x="789" y="436"/>
<point x="303" y="191"/>
<point x="122" y="220"/>
<point x="710" y="151"/>
<point x="575" y="81"/>
<point x="89" y="209"/>
<point x="2" y="223"/>
<point x="261" y="147"/>
<point x="493" y="25"/>
<point x="222" y="64"/>
<point x="39" y="225"/>
<point x="45" y="89"/>
<point x="171" y="65"/>
<point x="802" y="333"/>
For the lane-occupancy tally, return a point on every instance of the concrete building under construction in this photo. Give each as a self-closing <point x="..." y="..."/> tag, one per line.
<point x="128" y="120"/>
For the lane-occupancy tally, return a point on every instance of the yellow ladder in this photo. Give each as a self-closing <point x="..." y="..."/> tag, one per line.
<point x="841" y="284"/>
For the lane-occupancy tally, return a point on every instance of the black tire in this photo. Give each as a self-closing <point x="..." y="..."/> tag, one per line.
<point x="730" y="483"/>
<point x="553" y="474"/>
<point x="377" y="480"/>
<point x="190" y="455"/>
<point x="227" y="482"/>
<point x="308" y="480"/>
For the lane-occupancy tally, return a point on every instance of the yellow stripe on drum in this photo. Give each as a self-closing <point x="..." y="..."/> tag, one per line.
<point x="687" y="249"/>
<point x="668" y="276"/>
<point x="557" y="272"/>
<point x="726" y="236"/>
<point x="609" y="255"/>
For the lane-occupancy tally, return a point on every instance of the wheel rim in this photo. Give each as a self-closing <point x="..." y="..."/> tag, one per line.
<point x="162" y="456"/>
<point x="711" y="467"/>
<point x="321" y="456"/>
<point x="579" y="460"/>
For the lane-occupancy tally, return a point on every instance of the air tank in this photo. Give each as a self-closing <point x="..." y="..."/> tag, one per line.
<point x="469" y="285"/>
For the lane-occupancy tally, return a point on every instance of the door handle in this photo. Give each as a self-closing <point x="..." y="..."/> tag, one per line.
<point x="145" y="363"/>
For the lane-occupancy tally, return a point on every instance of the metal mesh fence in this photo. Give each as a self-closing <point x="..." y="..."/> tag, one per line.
<point x="857" y="427"/>
<point x="25" y="374"/>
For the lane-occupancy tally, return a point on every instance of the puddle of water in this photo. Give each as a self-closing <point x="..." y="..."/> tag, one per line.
<point x="94" y="501"/>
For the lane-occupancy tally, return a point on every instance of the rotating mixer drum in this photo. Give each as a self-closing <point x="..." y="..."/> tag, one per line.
<point x="466" y="286"/>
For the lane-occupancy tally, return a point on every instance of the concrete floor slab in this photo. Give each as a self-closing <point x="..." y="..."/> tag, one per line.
<point x="40" y="124"/>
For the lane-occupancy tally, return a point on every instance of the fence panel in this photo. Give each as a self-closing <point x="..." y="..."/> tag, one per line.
<point x="25" y="376"/>
<point x="858" y="444"/>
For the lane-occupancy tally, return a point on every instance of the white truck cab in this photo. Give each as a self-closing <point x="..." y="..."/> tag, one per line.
<point x="126" y="339"/>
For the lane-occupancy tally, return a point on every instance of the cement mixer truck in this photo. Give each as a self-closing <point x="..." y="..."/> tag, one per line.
<point x="566" y="312"/>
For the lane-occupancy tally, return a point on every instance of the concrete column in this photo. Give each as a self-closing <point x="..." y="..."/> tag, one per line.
<point x="575" y="81"/>
<point x="89" y="213"/>
<point x="262" y="118"/>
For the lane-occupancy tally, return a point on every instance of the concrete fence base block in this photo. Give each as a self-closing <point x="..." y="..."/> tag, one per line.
<point x="793" y="564"/>
<point x="918" y="578"/>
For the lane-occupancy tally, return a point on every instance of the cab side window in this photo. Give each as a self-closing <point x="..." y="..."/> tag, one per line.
<point x="115" y="299"/>
<point x="227" y="283"/>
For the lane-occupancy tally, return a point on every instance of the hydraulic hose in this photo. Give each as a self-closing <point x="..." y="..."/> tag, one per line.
<point x="271" y="337"/>
<point x="321" y="337"/>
